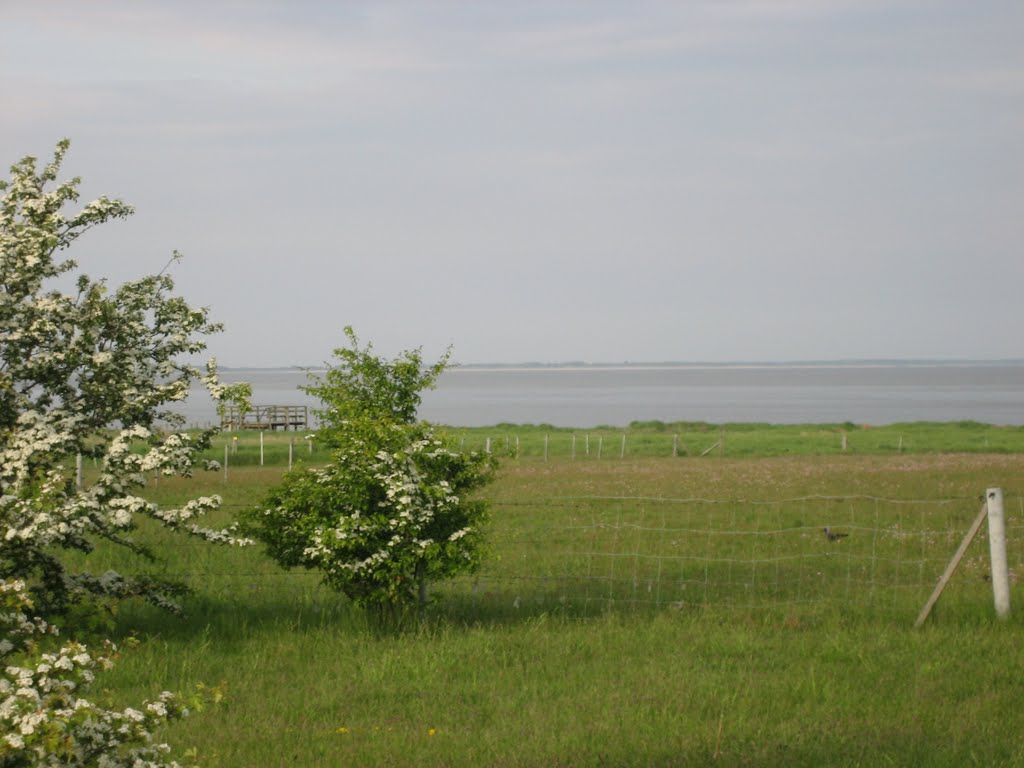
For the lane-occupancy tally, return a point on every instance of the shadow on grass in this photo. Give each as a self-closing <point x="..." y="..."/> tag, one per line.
<point x="239" y="614"/>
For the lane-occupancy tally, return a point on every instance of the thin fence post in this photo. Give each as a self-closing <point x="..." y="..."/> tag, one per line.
<point x="622" y="450"/>
<point x="952" y="566"/>
<point x="586" y="444"/>
<point x="574" y="447"/>
<point x="225" y="462"/>
<point x="721" y="441"/>
<point x="600" y="445"/>
<point x="545" y="447"/>
<point x="78" y="472"/>
<point x="844" y="441"/>
<point x="487" y="445"/>
<point x="421" y="579"/>
<point x="261" y="447"/>
<point x="675" y="446"/>
<point x="997" y="550"/>
<point x="291" y="451"/>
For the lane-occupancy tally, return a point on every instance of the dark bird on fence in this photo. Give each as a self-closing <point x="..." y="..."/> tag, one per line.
<point x="833" y="535"/>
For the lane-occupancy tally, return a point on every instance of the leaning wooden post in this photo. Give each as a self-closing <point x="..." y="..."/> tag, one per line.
<point x="622" y="450"/>
<point x="951" y="568"/>
<point x="997" y="551"/>
<point x="291" y="451"/>
<point x="78" y="472"/>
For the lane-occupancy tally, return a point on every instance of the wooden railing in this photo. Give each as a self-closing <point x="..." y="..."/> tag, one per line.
<point x="266" y="417"/>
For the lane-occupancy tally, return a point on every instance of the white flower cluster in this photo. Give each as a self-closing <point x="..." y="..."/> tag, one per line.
<point x="44" y="718"/>
<point x="410" y="503"/>
<point x="39" y="510"/>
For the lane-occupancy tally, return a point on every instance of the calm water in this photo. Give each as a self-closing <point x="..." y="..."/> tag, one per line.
<point x="615" y="396"/>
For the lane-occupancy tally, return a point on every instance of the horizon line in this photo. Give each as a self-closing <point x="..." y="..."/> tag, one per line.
<point x="565" y="364"/>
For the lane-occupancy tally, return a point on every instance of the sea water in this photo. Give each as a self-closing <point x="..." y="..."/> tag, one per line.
<point x="590" y="396"/>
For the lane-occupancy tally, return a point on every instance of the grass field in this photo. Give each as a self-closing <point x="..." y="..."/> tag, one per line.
<point x="540" y="661"/>
<point x="655" y="439"/>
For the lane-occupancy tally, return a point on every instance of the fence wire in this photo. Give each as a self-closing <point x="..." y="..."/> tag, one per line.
<point x="636" y="552"/>
<point x="581" y="555"/>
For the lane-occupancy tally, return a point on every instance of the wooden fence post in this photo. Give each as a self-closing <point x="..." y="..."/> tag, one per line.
<point x="951" y="568"/>
<point x="997" y="551"/>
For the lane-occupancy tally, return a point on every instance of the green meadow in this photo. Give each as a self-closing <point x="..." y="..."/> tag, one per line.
<point x="656" y="439"/>
<point x="641" y="605"/>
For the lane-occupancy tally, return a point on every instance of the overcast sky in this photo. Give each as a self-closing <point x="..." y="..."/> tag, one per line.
<point x="548" y="181"/>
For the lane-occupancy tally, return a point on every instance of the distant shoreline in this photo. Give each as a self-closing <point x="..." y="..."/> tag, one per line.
<point x="697" y="365"/>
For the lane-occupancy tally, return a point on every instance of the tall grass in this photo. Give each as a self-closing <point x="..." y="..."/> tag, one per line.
<point x="489" y="682"/>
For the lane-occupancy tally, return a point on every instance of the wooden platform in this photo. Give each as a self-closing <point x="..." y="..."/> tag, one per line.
<point x="266" y="417"/>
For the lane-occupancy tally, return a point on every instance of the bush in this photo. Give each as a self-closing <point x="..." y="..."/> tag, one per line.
<point x="391" y="511"/>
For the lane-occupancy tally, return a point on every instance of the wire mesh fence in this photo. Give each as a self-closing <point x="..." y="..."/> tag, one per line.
<point x="636" y="552"/>
<point x="584" y="555"/>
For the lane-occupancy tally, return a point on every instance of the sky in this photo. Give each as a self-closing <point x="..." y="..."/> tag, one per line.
<point x="738" y="180"/>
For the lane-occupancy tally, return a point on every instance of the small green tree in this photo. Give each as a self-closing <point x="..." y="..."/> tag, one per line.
<point x="392" y="510"/>
<point x="235" y="402"/>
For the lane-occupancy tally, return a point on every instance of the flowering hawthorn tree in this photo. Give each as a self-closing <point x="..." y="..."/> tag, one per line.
<point x="392" y="509"/>
<point x="87" y="371"/>
<point x="45" y="720"/>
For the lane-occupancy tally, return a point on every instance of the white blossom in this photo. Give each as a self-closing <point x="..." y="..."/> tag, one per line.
<point x="42" y="709"/>
<point x="86" y="369"/>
